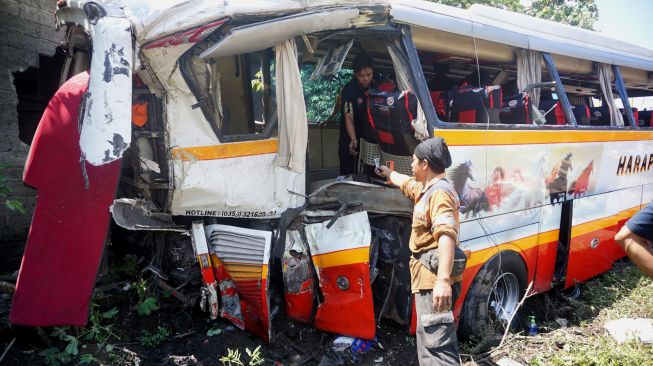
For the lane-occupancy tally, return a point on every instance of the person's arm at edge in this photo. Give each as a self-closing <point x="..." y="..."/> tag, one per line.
<point x="393" y="177"/>
<point x="637" y="249"/>
<point x="442" y="288"/>
<point x="351" y="132"/>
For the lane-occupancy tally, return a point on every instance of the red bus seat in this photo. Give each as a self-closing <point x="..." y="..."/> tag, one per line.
<point x="516" y="110"/>
<point x="476" y="105"/>
<point x="390" y="115"/>
<point x="645" y="118"/>
<point x="557" y="116"/>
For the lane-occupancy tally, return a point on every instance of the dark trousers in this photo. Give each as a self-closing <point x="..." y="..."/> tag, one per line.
<point x="347" y="160"/>
<point x="437" y="343"/>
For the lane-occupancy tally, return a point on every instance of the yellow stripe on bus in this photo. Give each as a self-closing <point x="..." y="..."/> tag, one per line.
<point x="224" y="151"/>
<point x="515" y="137"/>
<point x="483" y="255"/>
<point x="628" y="213"/>
<point x="342" y="257"/>
<point x="549" y="236"/>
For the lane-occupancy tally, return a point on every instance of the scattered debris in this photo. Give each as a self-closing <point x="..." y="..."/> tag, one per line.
<point x="213" y="331"/>
<point x="561" y="322"/>
<point x="7" y="287"/>
<point x="508" y="362"/>
<point x="7" y="349"/>
<point x="625" y="329"/>
<point x="183" y="360"/>
<point x="348" y="349"/>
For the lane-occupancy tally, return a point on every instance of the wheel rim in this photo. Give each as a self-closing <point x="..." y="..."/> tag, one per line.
<point x="504" y="297"/>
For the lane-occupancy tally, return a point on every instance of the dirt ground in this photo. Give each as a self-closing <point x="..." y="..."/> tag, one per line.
<point x="191" y="339"/>
<point x="188" y="344"/>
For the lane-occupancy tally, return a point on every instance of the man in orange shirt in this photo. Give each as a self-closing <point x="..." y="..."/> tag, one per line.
<point x="435" y="228"/>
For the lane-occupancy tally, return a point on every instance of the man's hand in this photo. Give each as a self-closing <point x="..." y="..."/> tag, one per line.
<point x="383" y="171"/>
<point x="352" y="147"/>
<point x="442" y="295"/>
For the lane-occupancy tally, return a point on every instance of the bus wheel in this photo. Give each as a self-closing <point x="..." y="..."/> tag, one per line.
<point x="494" y="294"/>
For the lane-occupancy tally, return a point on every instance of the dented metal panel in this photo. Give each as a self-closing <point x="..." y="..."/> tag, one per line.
<point x="203" y="189"/>
<point x="133" y="214"/>
<point x="297" y="278"/>
<point x="209" y="291"/>
<point x="373" y="198"/>
<point x="241" y="259"/>
<point x="106" y="120"/>
<point x="267" y="34"/>
<point x="341" y="254"/>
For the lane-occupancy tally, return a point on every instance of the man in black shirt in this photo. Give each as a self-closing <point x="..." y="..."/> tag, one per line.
<point x="353" y="114"/>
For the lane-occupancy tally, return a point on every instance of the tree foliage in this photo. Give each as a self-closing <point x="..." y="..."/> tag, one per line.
<point x="321" y="94"/>
<point x="580" y="13"/>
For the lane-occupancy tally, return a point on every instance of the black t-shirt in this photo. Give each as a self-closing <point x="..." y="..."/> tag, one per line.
<point x="353" y="97"/>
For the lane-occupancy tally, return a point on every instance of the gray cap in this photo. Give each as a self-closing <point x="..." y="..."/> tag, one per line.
<point x="436" y="152"/>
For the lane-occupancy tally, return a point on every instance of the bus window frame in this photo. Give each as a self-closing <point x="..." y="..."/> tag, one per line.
<point x="189" y="77"/>
<point x="417" y="74"/>
<point x="623" y="94"/>
<point x="421" y="83"/>
<point x="560" y="89"/>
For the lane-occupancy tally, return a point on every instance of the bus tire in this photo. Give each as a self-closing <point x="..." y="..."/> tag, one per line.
<point x="500" y="283"/>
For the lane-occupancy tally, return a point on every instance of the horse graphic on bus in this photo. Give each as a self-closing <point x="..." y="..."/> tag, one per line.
<point x="521" y="188"/>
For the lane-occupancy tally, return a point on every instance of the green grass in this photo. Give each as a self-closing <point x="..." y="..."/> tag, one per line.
<point x="623" y="292"/>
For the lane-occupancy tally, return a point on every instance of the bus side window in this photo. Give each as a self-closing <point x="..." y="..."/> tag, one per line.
<point x="235" y="93"/>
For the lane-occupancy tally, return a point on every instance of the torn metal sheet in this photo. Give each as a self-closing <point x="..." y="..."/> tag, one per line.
<point x="133" y="214"/>
<point x="297" y="279"/>
<point x="106" y="120"/>
<point x="263" y="35"/>
<point x="240" y="258"/>
<point x="373" y="198"/>
<point x="231" y="308"/>
<point x="200" y="245"/>
<point x="341" y="256"/>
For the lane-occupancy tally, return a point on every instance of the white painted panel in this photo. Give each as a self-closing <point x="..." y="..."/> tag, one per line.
<point x="550" y="219"/>
<point x="186" y="126"/>
<point x="647" y="194"/>
<point x="482" y="226"/>
<point x="266" y="34"/>
<point x="495" y="239"/>
<point x="106" y="123"/>
<point x="245" y="187"/>
<point x="592" y="208"/>
<point x="348" y="232"/>
<point x="239" y="245"/>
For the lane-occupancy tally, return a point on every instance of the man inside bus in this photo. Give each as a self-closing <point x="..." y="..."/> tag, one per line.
<point x="353" y="114"/>
<point x="435" y="228"/>
<point x="635" y="239"/>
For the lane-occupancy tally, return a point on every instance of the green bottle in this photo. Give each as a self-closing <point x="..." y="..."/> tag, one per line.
<point x="532" y="326"/>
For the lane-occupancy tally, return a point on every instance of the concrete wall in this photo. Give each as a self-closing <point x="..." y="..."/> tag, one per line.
<point x="27" y="30"/>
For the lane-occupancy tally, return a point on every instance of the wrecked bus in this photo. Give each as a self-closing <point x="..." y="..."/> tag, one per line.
<point x="200" y="128"/>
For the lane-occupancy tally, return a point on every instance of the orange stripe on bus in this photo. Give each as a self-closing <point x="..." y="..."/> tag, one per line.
<point x="511" y="137"/>
<point x="483" y="255"/>
<point x="224" y="151"/>
<point x="242" y="271"/>
<point x="342" y="257"/>
<point x="549" y="236"/>
<point x="593" y="226"/>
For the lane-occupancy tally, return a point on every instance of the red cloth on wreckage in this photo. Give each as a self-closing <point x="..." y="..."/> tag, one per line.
<point x="70" y="222"/>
